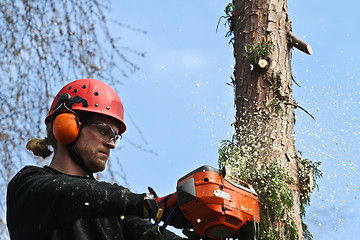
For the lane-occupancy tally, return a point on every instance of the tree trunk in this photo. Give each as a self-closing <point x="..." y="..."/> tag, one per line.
<point x="263" y="97"/>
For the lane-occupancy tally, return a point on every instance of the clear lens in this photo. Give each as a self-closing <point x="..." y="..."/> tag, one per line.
<point x="106" y="132"/>
<point x="116" y="139"/>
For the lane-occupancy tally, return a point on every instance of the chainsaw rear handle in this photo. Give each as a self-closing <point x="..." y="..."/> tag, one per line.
<point x="166" y="222"/>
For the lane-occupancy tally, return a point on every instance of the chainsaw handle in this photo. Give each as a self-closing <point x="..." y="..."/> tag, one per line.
<point x="166" y="222"/>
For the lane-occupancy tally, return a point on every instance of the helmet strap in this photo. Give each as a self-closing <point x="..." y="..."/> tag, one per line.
<point x="65" y="103"/>
<point x="76" y="157"/>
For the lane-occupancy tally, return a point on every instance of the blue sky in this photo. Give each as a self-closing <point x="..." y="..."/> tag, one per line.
<point x="179" y="108"/>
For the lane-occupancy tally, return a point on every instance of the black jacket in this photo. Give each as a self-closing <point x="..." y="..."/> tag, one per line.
<point x="43" y="203"/>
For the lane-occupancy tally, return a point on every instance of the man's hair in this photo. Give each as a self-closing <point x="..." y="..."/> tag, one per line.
<point x="40" y="147"/>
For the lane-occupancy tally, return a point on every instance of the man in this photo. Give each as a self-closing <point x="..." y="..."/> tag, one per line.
<point x="63" y="200"/>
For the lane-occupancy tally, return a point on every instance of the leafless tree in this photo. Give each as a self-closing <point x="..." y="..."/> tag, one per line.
<point x="43" y="45"/>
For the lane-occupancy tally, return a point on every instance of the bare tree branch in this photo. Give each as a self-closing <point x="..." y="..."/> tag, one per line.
<point x="44" y="44"/>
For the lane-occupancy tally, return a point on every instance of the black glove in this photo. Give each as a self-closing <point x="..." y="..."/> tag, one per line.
<point x="172" y="214"/>
<point x="150" y="206"/>
<point x="152" y="203"/>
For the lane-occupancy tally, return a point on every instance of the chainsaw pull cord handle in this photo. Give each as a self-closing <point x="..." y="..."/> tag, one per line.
<point x="166" y="222"/>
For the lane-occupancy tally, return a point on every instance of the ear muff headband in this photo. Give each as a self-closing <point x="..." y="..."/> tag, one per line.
<point x="66" y="127"/>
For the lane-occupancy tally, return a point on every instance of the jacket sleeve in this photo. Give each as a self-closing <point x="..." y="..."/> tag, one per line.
<point x="134" y="229"/>
<point x="39" y="199"/>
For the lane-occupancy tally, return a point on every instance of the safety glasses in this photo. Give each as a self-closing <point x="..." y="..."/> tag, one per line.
<point x="106" y="132"/>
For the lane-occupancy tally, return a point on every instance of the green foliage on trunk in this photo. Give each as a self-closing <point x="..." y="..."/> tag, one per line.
<point x="271" y="183"/>
<point x="257" y="51"/>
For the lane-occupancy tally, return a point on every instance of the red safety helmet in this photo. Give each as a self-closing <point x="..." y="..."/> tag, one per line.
<point x="100" y="97"/>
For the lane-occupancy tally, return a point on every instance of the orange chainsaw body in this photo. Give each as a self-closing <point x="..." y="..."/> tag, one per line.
<point x="217" y="207"/>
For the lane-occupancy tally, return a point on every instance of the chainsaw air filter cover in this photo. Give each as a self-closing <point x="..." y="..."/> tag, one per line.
<point x="217" y="207"/>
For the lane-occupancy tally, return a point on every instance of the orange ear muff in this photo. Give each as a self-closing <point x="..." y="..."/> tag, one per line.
<point x="66" y="127"/>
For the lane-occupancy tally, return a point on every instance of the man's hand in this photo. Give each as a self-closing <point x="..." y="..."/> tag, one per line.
<point x="172" y="213"/>
<point x="151" y="206"/>
<point x="169" y="203"/>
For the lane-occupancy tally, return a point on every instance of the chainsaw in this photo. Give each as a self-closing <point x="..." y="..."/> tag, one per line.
<point x="219" y="206"/>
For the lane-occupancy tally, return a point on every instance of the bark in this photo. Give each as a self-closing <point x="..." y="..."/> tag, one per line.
<point x="263" y="96"/>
